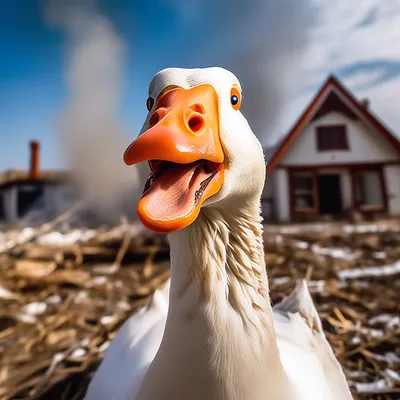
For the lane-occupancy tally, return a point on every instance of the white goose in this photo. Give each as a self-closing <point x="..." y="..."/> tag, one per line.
<point x="213" y="334"/>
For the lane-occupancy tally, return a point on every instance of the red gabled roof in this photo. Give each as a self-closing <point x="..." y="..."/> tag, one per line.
<point x="313" y="107"/>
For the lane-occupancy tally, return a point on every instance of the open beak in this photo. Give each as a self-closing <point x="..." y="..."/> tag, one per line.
<point x="183" y="148"/>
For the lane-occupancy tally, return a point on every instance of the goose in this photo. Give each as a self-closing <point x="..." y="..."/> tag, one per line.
<point x="211" y="332"/>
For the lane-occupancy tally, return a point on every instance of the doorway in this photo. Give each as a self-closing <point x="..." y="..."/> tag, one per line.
<point x="329" y="194"/>
<point x="27" y="195"/>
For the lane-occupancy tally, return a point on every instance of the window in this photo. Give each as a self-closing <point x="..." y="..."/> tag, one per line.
<point x="332" y="137"/>
<point x="303" y="191"/>
<point x="368" y="190"/>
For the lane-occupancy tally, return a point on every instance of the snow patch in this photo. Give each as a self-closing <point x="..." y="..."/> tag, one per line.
<point x="385" y="270"/>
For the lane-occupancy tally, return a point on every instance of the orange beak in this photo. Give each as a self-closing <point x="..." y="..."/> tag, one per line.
<point x="185" y="155"/>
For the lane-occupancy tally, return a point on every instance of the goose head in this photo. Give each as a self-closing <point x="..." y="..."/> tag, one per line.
<point x="199" y="147"/>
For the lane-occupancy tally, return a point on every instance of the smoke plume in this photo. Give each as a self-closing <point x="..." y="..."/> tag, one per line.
<point x="90" y="135"/>
<point x="261" y="41"/>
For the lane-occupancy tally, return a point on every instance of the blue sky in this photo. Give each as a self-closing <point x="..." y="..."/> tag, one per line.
<point x="32" y="76"/>
<point x="290" y="49"/>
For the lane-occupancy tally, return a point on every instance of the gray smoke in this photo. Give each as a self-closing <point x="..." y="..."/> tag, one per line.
<point x="91" y="136"/>
<point x="261" y="41"/>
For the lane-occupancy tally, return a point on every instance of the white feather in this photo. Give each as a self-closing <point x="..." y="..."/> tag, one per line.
<point x="307" y="357"/>
<point x="131" y="352"/>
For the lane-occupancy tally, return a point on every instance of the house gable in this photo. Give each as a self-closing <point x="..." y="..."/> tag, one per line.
<point x="364" y="144"/>
<point x="370" y="140"/>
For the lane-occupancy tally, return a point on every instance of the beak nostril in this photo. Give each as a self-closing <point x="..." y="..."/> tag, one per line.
<point x="199" y="108"/>
<point x="195" y="123"/>
<point x="157" y="116"/>
<point x="154" y="119"/>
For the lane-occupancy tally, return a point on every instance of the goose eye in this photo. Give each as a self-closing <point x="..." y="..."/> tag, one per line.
<point x="149" y="103"/>
<point x="235" y="98"/>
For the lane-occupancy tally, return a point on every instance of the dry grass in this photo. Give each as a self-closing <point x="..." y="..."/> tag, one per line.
<point x="62" y="303"/>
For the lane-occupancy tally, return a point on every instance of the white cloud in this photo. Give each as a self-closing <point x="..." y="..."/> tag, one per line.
<point x="261" y="41"/>
<point x="347" y="36"/>
<point x="338" y="40"/>
<point x="385" y="99"/>
<point x="364" y="78"/>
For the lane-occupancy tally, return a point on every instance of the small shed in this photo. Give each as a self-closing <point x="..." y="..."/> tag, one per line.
<point x="21" y="192"/>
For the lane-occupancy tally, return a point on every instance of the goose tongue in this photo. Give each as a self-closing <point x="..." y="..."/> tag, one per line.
<point x="175" y="193"/>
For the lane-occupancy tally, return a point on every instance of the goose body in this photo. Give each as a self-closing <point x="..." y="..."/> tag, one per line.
<point x="211" y="332"/>
<point x="306" y="355"/>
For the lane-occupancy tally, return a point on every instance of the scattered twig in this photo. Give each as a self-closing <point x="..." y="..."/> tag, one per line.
<point x="46" y="227"/>
<point x="78" y="303"/>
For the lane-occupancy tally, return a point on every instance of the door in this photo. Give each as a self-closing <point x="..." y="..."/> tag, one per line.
<point x="28" y="195"/>
<point x="329" y="193"/>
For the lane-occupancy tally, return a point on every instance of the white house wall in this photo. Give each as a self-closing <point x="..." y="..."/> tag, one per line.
<point x="267" y="197"/>
<point x="392" y="178"/>
<point x="281" y="194"/>
<point x="365" y="145"/>
<point x="10" y="197"/>
<point x="347" y="195"/>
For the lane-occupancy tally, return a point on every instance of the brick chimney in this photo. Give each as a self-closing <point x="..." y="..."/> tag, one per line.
<point x="35" y="153"/>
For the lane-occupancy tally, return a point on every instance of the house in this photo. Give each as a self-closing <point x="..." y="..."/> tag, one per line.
<point x="24" y="192"/>
<point x="338" y="158"/>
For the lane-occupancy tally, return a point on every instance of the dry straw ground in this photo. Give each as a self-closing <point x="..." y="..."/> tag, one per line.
<point x="64" y="295"/>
